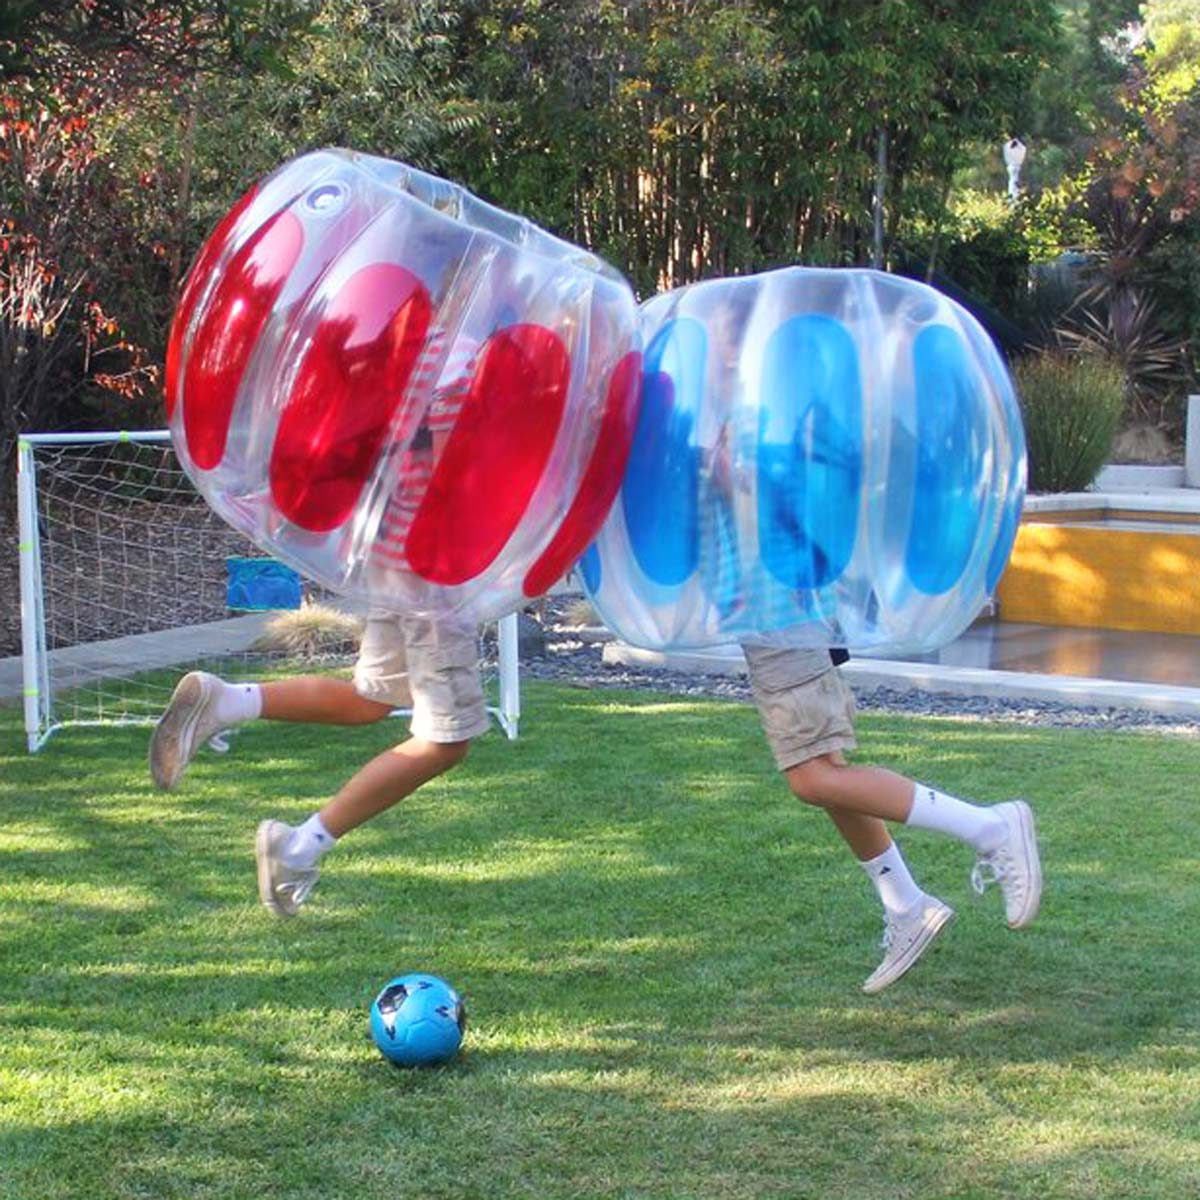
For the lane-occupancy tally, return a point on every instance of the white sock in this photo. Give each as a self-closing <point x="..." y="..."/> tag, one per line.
<point x="890" y="874"/>
<point x="971" y="823"/>
<point x="308" y="843"/>
<point x="238" y="702"/>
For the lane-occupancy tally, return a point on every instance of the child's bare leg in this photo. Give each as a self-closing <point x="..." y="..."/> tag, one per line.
<point x="913" y="918"/>
<point x="830" y="782"/>
<point x="403" y="662"/>
<point x="866" y="836"/>
<point x="836" y="785"/>
<point x="1002" y="835"/>
<point x="204" y="704"/>
<point x="880" y="858"/>
<point x="319" y="699"/>
<point x="387" y="779"/>
<point x="288" y="858"/>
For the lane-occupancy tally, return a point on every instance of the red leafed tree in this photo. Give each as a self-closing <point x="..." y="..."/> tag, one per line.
<point x="85" y="254"/>
<point x="1143" y="206"/>
<point x="58" y="343"/>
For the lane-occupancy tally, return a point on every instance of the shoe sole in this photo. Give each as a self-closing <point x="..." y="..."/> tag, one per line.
<point x="929" y="932"/>
<point x="1033" y="865"/>
<point x="176" y="725"/>
<point x="262" y="858"/>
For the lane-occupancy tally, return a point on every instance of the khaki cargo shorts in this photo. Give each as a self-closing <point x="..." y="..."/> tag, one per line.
<point x="805" y="705"/>
<point x="430" y="666"/>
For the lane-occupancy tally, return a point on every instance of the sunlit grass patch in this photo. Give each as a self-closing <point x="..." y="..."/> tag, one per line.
<point x="661" y="953"/>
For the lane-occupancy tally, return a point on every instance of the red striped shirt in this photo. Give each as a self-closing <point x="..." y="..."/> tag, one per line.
<point x="448" y="377"/>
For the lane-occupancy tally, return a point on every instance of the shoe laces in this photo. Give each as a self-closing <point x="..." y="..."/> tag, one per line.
<point x="993" y="867"/>
<point x="297" y="889"/>
<point x="891" y="929"/>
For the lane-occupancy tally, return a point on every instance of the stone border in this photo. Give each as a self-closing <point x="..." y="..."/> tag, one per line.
<point x="1159" y="699"/>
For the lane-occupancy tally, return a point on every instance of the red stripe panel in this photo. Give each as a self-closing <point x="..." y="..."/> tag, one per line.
<point x="494" y="457"/>
<point x="240" y="307"/>
<point x="601" y="480"/>
<point x="200" y="271"/>
<point x="346" y="394"/>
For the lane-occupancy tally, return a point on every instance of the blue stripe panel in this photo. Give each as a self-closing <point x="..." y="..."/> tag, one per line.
<point x="589" y="566"/>
<point x="951" y="446"/>
<point x="1015" y="498"/>
<point x="810" y="451"/>
<point x="660" y="486"/>
<point x="1004" y="538"/>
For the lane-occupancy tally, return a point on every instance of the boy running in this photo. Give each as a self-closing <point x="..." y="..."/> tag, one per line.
<point x="807" y="713"/>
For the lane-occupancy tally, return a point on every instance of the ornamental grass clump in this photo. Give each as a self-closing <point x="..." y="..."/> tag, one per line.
<point x="580" y="615"/>
<point x="1071" y="405"/>
<point x="312" y="631"/>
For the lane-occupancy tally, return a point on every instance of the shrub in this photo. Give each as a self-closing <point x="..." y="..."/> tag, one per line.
<point x="581" y="614"/>
<point x="1071" y="405"/>
<point x="312" y="631"/>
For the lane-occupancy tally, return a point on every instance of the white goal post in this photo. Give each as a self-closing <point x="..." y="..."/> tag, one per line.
<point x="123" y="571"/>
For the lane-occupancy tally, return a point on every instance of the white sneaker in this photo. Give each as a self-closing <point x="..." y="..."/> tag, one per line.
<point x="186" y="724"/>
<point x="1014" y="865"/>
<point x="906" y="938"/>
<point x="281" y="888"/>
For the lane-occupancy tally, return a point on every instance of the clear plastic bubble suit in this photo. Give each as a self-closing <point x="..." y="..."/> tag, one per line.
<point x="822" y="458"/>
<point x="405" y="393"/>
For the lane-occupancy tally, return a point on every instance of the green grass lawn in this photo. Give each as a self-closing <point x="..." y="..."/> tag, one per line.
<point x="661" y="953"/>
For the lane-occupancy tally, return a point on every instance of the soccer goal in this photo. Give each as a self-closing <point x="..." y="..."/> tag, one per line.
<point x="125" y="576"/>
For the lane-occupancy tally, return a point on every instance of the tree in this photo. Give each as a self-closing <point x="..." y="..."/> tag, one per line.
<point x="1173" y="55"/>
<point x="1142" y="204"/>
<point x="85" y="281"/>
<point x="687" y="139"/>
<point x="378" y="77"/>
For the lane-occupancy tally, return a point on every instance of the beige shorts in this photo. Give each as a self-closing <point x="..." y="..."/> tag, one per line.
<point x="431" y="667"/>
<point x="806" y="708"/>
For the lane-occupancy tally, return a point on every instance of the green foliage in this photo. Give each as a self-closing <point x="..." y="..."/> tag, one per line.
<point x="1141" y="207"/>
<point x="687" y="140"/>
<point x="980" y="245"/>
<point x="1172" y="56"/>
<point x="1077" y="97"/>
<point x="680" y="140"/>
<point x="1007" y="256"/>
<point x="1126" y="326"/>
<point x="1174" y="265"/>
<point x="1071" y="406"/>
<point x="379" y="78"/>
<point x="121" y="44"/>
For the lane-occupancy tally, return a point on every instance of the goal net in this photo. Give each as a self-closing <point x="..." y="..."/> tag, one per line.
<point x="125" y="585"/>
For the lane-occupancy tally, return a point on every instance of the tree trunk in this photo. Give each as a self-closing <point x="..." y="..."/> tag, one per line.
<point x="185" y="186"/>
<point x="936" y="243"/>
<point x="881" y="166"/>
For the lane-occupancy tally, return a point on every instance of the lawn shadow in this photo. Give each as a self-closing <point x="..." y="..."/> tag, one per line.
<point x="662" y="952"/>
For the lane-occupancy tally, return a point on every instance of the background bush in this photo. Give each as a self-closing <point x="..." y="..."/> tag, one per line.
<point x="1071" y="405"/>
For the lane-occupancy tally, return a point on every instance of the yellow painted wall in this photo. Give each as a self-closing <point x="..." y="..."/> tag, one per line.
<point x="1103" y="578"/>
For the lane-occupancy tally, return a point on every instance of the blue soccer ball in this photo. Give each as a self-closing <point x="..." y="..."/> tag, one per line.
<point x="418" y="1020"/>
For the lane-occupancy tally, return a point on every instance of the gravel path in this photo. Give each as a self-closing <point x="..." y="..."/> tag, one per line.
<point x="567" y="660"/>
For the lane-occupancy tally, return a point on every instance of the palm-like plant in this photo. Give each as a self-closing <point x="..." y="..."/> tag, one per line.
<point x="1123" y="324"/>
<point x="1116" y="314"/>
